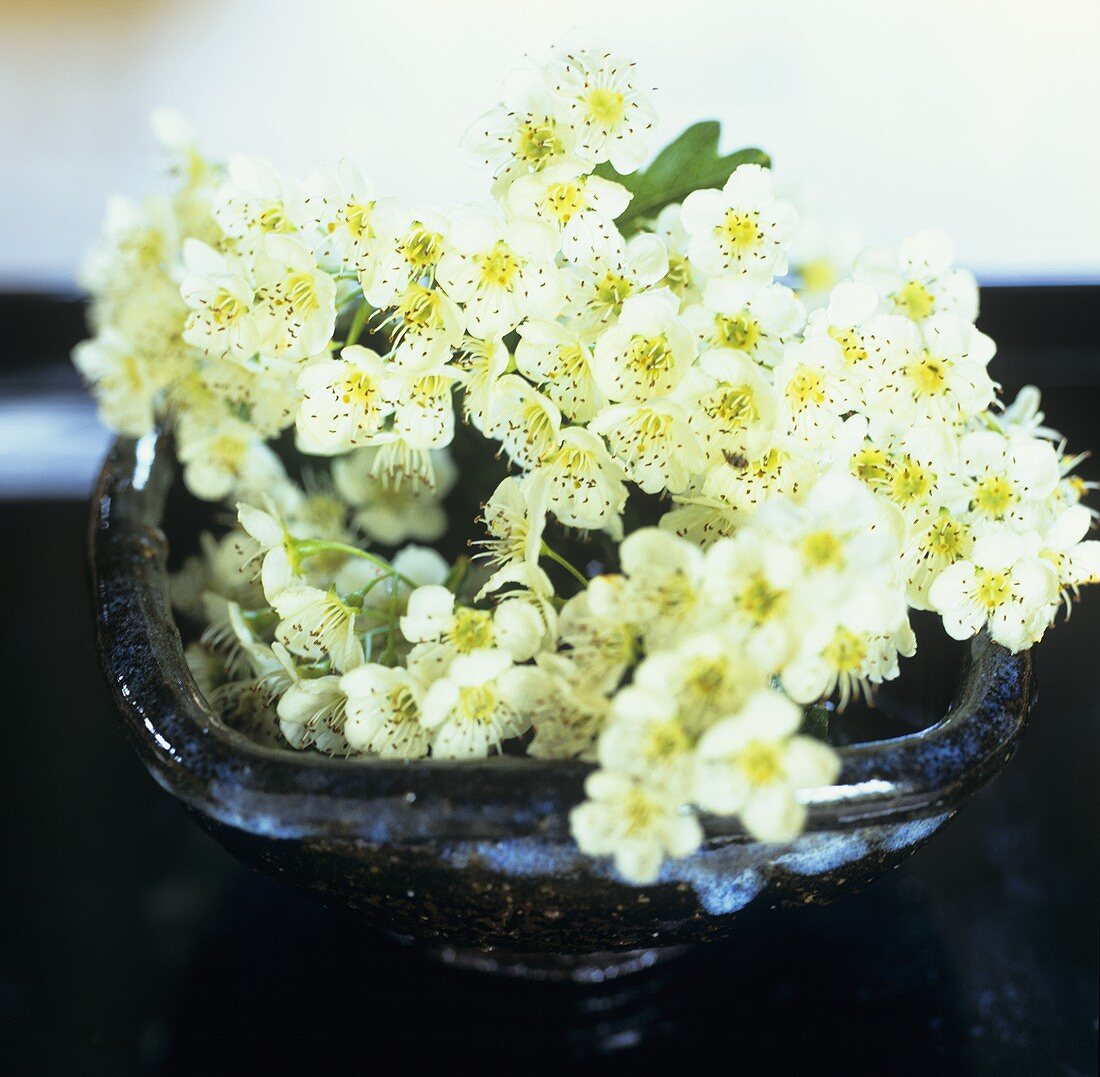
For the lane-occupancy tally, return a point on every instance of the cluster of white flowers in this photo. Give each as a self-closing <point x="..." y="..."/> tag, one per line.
<point x="761" y="491"/>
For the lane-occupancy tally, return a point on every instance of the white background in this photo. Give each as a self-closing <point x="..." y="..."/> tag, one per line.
<point x="977" y="116"/>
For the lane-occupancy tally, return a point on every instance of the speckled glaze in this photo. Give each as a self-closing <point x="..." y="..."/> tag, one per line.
<point x="475" y="859"/>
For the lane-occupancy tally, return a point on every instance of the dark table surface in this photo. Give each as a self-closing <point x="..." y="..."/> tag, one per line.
<point x="131" y="943"/>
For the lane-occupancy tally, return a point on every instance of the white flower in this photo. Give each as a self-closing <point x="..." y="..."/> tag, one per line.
<point x="584" y="486"/>
<point x="601" y="635"/>
<point x="483" y="363"/>
<point x="480" y="701"/>
<point x="1004" y="478"/>
<point x="646" y="352"/>
<point x="739" y="316"/>
<point x="753" y="766"/>
<point x="276" y="546"/>
<point x="502" y="272"/>
<point x="707" y="674"/>
<point x="654" y="443"/>
<point x="935" y="375"/>
<point x="851" y="307"/>
<point x="605" y="271"/>
<point x="731" y="405"/>
<point x="390" y="511"/>
<point x="555" y="358"/>
<point x="311" y="712"/>
<point x="125" y="382"/>
<point x="841" y="647"/>
<point x="741" y="230"/>
<point x="1005" y="586"/>
<point x="295" y="309"/>
<point x="624" y="818"/>
<point x="256" y="201"/>
<point x="567" y="711"/>
<point x="1076" y="560"/>
<point x="224" y="459"/>
<point x="432" y="616"/>
<point x="665" y="581"/>
<point x="515" y="517"/>
<point x="525" y="422"/>
<point x="218" y="291"/>
<point x="521" y="135"/>
<point x="383" y="712"/>
<point x="563" y="197"/>
<point x="598" y="100"/>
<point x="814" y="393"/>
<point x="919" y="282"/>
<point x="409" y="247"/>
<point x="344" y="211"/>
<point x="646" y="739"/>
<point x="423" y="403"/>
<point x="345" y="401"/>
<point x="316" y="624"/>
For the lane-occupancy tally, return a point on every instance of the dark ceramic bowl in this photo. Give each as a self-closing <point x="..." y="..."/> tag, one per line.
<point x="475" y="859"/>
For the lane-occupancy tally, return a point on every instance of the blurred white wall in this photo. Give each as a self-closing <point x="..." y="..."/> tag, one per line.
<point x="978" y="116"/>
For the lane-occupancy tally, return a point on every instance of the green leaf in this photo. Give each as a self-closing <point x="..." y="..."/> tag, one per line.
<point x="689" y="163"/>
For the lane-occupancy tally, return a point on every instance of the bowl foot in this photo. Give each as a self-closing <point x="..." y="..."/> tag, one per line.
<point x="593" y="968"/>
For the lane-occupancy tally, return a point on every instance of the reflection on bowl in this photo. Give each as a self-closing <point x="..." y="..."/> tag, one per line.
<point x="475" y="859"/>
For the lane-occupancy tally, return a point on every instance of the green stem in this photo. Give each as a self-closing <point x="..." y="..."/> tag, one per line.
<point x="357" y="324"/>
<point x="559" y="560"/>
<point x="309" y="547"/>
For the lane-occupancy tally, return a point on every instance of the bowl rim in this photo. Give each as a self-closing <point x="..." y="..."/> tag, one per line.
<point x="284" y="793"/>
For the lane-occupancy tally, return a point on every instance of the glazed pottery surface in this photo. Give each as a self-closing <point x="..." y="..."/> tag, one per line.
<point x="476" y="858"/>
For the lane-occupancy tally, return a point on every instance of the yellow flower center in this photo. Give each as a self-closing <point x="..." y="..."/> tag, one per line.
<point x="273" y="218"/>
<point x="929" y="375"/>
<point x="225" y="308"/>
<point x="421" y="247"/>
<point x="739" y="332"/>
<point x="358" y="389"/>
<point x="537" y="141"/>
<point x="823" y="549"/>
<point x="872" y="466"/>
<point x="608" y="295"/>
<point x="639" y="812"/>
<point x="418" y="307"/>
<point x="678" y="276"/>
<point x="915" y="300"/>
<point x="477" y="703"/>
<point x="564" y="199"/>
<point x="945" y="538"/>
<point x="991" y="588"/>
<point x="665" y="741"/>
<point x="759" y="601"/>
<point x="605" y="106"/>
<point x="740" y="232"/>
<point x="402" y="706"/>
<point x="499" y="267"/>
<point x="993" y="496"/>
<point x="910" y="482"/>
<point x="818" y="275"/>
<point x="735" y="408"/>
<point x="847" y="651"/>
<point x="760" y="762"/>
<point x="472" y="629"/>
<point x="228" y="451"/>
<point x="357" y="217"/>
<point x="806" y="387"/>
<point x="851" y="344"/>
<point x="649" y="358"/>
<point x="301" y="294"/>
<point x="572" y="365"/>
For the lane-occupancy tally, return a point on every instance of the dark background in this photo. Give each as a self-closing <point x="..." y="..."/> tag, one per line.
<point x="132" y="944"/>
